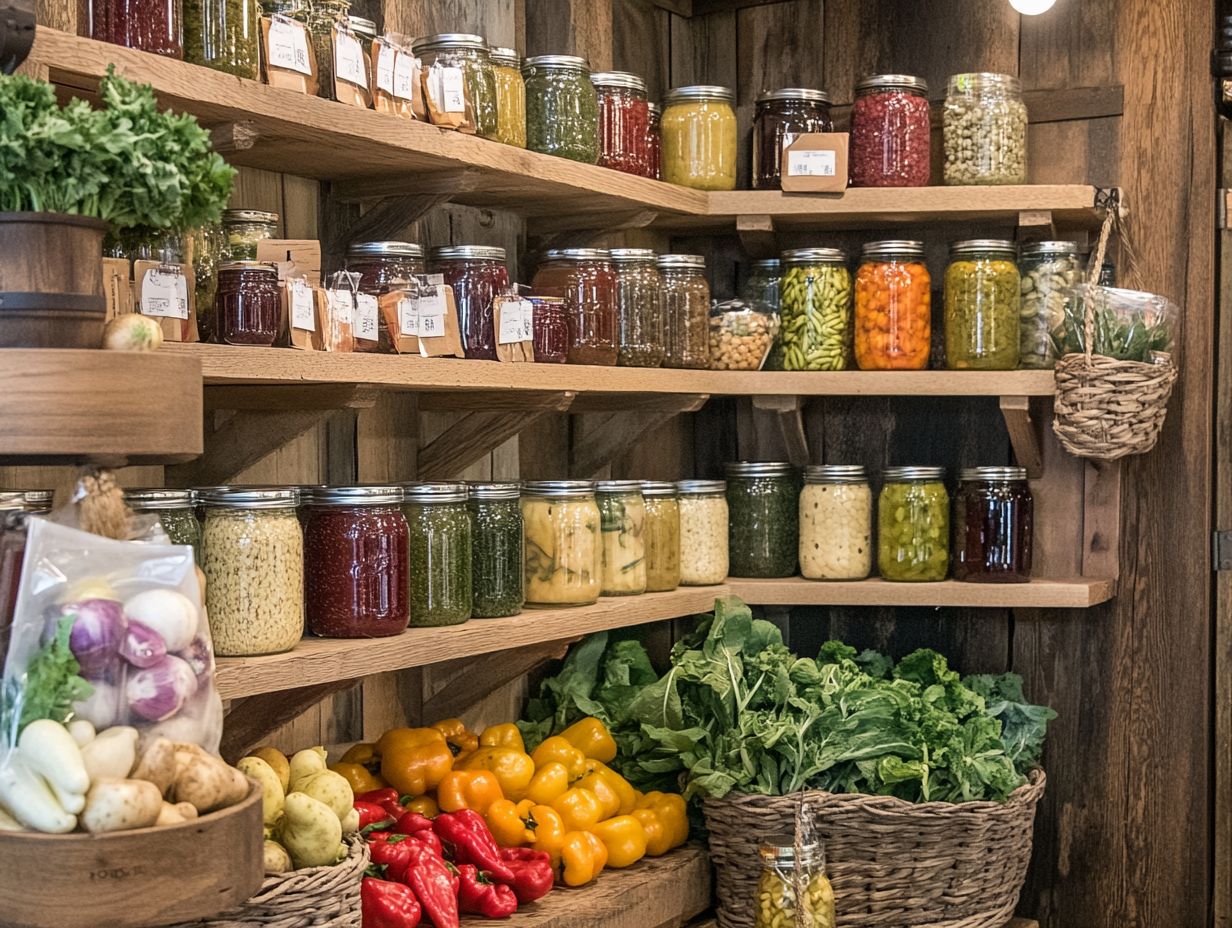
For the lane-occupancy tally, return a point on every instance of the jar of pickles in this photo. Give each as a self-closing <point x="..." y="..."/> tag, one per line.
<point x="586" y="280"/>
<point x="562" y="108"/>
<point x="1048" y="271"/>
<point x="703" y="532"/>
<point x="893" y="307"/>
<point x="982" y="306"/>
<point x="247" y="304"/>
<point x="641" y="302"/>
<point x="890" y="132"/>
<point x="477" y="274"/>
<point x="439" y="545"/>
<point x="763" y="533"/>
<point x="985" y="130"/>
<point x="699" y="137"/>
<point x="686" y="295"/>
<point x="254" y="570"/>
<point x="993" y="525"/>
<point x="175" y="511"/>
<point x="470" y="54"/>
<point x="816" y="310"/>
<point x="510" y="96"/>
<point x="782" y="875"/>
<point x="564" y="560"/>
<point x="836" y="523"/>
<point x="622" y="515"/>
<point x="550" y="325"/>
<point x="624" y="121"/>
<point x="149" y="25"/>
<point x="224" y="35"/>
<point x="355" y="557"/>
<point x="243" y="228"/>
<point x="662" y="535"/>
<point x="913" y="525"/>
<point x="780" y="116"/>
<point x="496" y="550"/>
<point x="654" y="146"/>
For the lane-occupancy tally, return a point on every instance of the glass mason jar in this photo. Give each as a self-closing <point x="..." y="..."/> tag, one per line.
<point x="355" y="562"/>
<point x="254" y="570"/>
<point x="913" y="525"/>
<point x="662" y="535"/>
<point x="703" y="532"/>
<point x="319" y="17"/>
<point x="741" y="335"/>
<point x="206" y="246"/>
<point x="761" y="284"/>
<point x="224" y="35"/>
<point x="586" y="280"/>
<point x="1048" y="270"/>
<point x="890" y="132"/>
<point x="836" y="523"/>
<point x="816" y="310"/>
<point x="470" y="54"/>
<point x="242" y="229"/>
<point x="149" y="25"/>
<point x="777" y="902"/>
<point x="562" y="108"/>
<point x="699" y="135"/>
<point x="176" y="513"/>
<point x="993" y="525"/>
<point x="497" y="556"/>
<point x="686" y="301"/>
<point x="893" y="307"/>
<point x="564" y="556"/>
<point x="247" y="305"/>
<point x="654" y="143"/>
<point x="763" y="502"/>
<point x="779" y="116"/>
<point x="439" y="545"/>
<point x="985" y="130"/>
<point x="641" y="305"/>
<point x="982" y="300"/>
<point x="477" y="274"/>
<point x="510" y="96"/>
<point x="15" y="508"/>
<point x="384" y="267"/>
<point x="550" y="324"/>
<point x="622" y="526"/>
<point x="624" y="121"/>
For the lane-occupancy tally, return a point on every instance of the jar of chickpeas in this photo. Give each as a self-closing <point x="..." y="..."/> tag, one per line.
<point x="785" y="868"/>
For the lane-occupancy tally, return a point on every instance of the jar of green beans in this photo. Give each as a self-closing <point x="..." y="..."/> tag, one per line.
<point x="764" y="519"/>
<point x="913" y="525"/>
<point x="783" y="872"/>
<point x="439" y="547"/>
<point x="496" y="550"/>
<point x="816" y="301"/>
<point x="175" y="512"/>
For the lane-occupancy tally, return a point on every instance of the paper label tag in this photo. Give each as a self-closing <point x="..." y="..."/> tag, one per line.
<point x="303" y="307"/>
<point x="431" y="307"/>
<point x="516" y="322"/>
<point x="386" y="67"/>
<point x="349" y="59"/>
<point x="164" y="292"/>
<point x="342" y="306"/>
<point x="811" y="163"/>
<point x="453" y="97"/>
<point x="288" y="45"/>
<point x="367" y="317"/>
<point x="404" y="76"/>
<point x="408" y="316"/>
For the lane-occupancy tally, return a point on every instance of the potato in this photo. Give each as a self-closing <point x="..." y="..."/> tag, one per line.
<point x="350" y="821"/>
<point x="171" y="815"/>
<point x="278" y="761"/>
<point x="330" y="788"/>
<point x="303" y="765"/>
<point x="235" y="785"/>
<point x="186" y="809"/>
<point x="201" y="781"/>
<point x="272" y="794"/>
<point x="310" y="832"/>
<point x="121" y="805"/>
<point x="277" y="860"/>
<point x="156" y="764"/>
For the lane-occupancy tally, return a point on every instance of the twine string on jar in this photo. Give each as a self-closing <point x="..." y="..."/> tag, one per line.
<point x="101" y="509"/>
<point x="1093" y="274"/>
<point x="799" y="879"/>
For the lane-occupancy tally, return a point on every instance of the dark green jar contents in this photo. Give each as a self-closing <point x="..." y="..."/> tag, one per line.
<point x="439" y="549"/>
<point x="496" y="551"/>
<point x="764" y="519"/>
<point x="175" y="512"/>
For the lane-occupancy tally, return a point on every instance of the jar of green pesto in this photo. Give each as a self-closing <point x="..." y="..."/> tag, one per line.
<point x="497" y="578"/>
<point x="764" y="519"/>
<point x="224" y="35"/>
<point x="562" y="107"/>
<point x="470" y="54"/>
<point x="913" y="525"/>
<point x="175" y="510"/>
<point x="439" y="548"/>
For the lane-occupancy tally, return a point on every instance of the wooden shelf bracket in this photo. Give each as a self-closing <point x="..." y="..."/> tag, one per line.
<point x="601" y="436"/>
<point x="481" y="431"/>
<point x="757" y="236"/>
<point x="782" y="418"/>
<point x="1025" y="435"/>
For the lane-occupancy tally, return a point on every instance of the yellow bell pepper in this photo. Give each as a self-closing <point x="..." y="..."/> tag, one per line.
<point x="502" y="736"/>
<point x="609" y="801"/>
<point x="513" y="769"/>
<point x="362" y="753"/>
<point x="461" y="740"/>
<point x="550" y="781"/>
<point x="579" y="808"/>
<point x="625" y="840"/>
<point x="468" y="789"/>
<point x="362" y="779"/>
<point x="583" y="856"/>
<point x="549" y="831"/>
<point x="556" y="750"/>
<point x="425" y="806"/>
<point x="672" y="812"/>
<point x="591" y="737"/>
<point x="658" y="838"/>
<point x="508" y="822"/>
<point x="414" y="760"/>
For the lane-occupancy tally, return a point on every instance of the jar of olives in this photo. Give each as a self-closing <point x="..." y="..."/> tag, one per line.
<point x="640" y="301"/>
<point x="781" y="873"/>
<point x="622" y="513"/>
<point x="439" y="545"/>
<point x="496" y="550"/>
<point x="662" y="535"/>
<point x="913" y="525"/>
<point x="564" y="560"/>
<point x="763" y="533"/>
<point x="836" y="523"/>
<point x="562" y="107"/>
<point x="985" y="130"/>
<point x="982" y="300"/>
<point x="1049" y="270"/>
<point x="816" y="310"/>
<point x="687" y="305"/>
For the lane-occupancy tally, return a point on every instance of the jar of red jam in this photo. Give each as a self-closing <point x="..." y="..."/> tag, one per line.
<point x="624" y="121"/>
<point x="246" y="304"/>
<point x="355" y="562"/>
<point x="993" y="514"/>
<point x="384" y="267"/>
<point x="551" y="329"/>
<point x="477" y="274"/>
<point x="780" y="116"/>
<point x="654" y="145"/>
<point x="586" y="280"/>
<point x="890" y="131"/>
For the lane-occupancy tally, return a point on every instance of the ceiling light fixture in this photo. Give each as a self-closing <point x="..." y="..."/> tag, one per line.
<point x="1032" y="7"/>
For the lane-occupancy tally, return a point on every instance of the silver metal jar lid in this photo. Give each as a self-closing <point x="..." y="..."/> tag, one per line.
<point x="620" y="79"/>
<point x="983" y="80"/>
<point x="835" y="473"/>
<point x="263" y="266"/>
<point x="893" y="82"/>
<point x="363" y="495"/>
<point x="658" y="488"/>
<point x="1039" y="249"/>
<point x="814" y="256"/>
<point x="463" y="252"/>
<point x="248" y="215"/>
<point x="904" y="474"/>
<point x="251" y="497"/>
<point x="992" y="474"/>
<point x="447" y="40"/>
<point x="699" y="93"/>
<point x="12" y="501"/>
<point x="365" y="27"/>
<point x="503" y="55"/>
<point x="580" y="254"/>
<point x="681" y="261"/>
<point x="767" y="264"/>
<point x="559" y="489"/>
<point x="566" y="62"/>
<point x="655" y="110"/>
<point x="701" y="487"/>
<point x="802" y="94"/>
<point x="781" y="849"/>
<point x="441" y="492"/>
<point x="148" y="498"/>
<point x="758" y="468"/>
<point x="37" y="501"/>
<point x="980" y="245"/>
<point x="379" y="249"/>
<point x="618" y="486"/>
<point x="494" y="490"/>
<point x="893" y="247"/>
<point x="632" y="255"/>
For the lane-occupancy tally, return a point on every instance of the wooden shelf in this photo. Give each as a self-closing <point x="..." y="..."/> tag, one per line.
<point x="60" y="406"/>
<point x="1079" y="593"/>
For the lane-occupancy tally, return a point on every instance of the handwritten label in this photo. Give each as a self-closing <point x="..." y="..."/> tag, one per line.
<point x="811" y="163"/>
<point x="288" y="45"/>
<point x="453" y="97"/>
<point x="367" y="316"/>
<point x="405" y="68"/>
<point x="431" y="306"/>
<point x="408" y="316"/>
<point x="164" y="292"/>
<point x="516" y="322"/>
<point x="342" y="306"/>
<point x="386" y="66"/>
<point x="349" y="59"/>
<point x="303" y="308"/>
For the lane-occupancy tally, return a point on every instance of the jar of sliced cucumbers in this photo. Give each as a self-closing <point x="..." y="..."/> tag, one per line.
<point x="789" y="872"/>
<point x="1049" y="270"/>
<point x="816" y="331"/>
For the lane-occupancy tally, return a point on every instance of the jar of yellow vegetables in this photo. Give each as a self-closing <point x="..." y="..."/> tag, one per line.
<point x="662" y="535"/>
<point x="699" y="137"/>
<point x="622" y="522"/>
<point x="510" y="96"/>
<point x="564" y="557"/>
<point x="781" y="873"/>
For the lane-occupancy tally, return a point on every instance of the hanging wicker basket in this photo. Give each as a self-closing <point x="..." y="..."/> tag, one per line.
<point x="892" y="863"/>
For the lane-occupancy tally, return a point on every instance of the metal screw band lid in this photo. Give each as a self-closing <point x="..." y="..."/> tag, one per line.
<point x="632" y="255"/>
<point x="446" y="40"/>
<point x="814" y="256"/>
<point x="782" y="850"/>
<point x="983" y="80"/>
<point x="1039" y="249"/>
<point x="618" y="486"/>
<point x="658" y="488"/>
<point x="248" y="215"/>
<point x="503" y="55"/>
<point x="378" y="249"/>
<point x="905" y="474"/>
<point x="251" y="497"/>
<point x="681" y="261"/>
<point x="264" y="266"/>
<point x="145" y="499"/>
<point x="559" y="489"/>
<point x="567" y="62"/>
<point x="494" y="490"/>
<point x="620" y="79"/>
<point x="363" y="495"/>
<point x="893" y="247"/>
<point x="992" y="474"/>
<point x="701" y="487"/>
<point x="892" y="82"/>
<point x="759" y="468"/>
<point x="699" y="93"/>
<point x="803" y="94"/>
<point x="835" y="473"/>
<point x="442" y="492"/>
<point x="365" y="27"/>
<point x="980" y="245"/>
<point x="463" y="252"/>
<point x="580" y="254"/>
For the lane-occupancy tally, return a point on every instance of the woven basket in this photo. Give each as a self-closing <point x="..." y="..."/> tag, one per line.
<point x="893" y="864"/>
<point x="314" y="897"/>
<point x="1106" y="409"/>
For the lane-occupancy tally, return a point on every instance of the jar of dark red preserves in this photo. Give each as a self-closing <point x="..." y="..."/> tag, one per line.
<point x="654" y="143"/>
<point x="246" y="304"/>
<point x="624" y="121"/>
<point x="384" y="267"/>
<point x="355" y="562"/>
<point x="780" y="116"/>
<point x="150" y="25"/>
<point x="586" y="280"/>
<point x="890" y="131"/>
<point x="477" y="274"/>
<point x="993" y="516"/>
<point x="551" y="329"/>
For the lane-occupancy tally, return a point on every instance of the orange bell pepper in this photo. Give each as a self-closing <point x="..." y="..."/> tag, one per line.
<point x="468" y="789"/>
<point x="624" y="789"/>
<point x="591" y="737"/>
<point x="658" y="838"/>
<point x="460" y="739"/>
<point x="583" y="856"/>
<point x="513" y="769"/>
<point x="550" y="781"/>
<point x="609" y="802"/>
<point x="414" y="760"/>
<point x="362" y="779"/>
<point x="363" y="753"/>
<point x="579" y="808"/>
<point x="510" y="822"/>
<point x="503" y="736"/>
<point x="549" y="829"/>
<point x="556" y="750"/>
<point x="672" y="812"/>
<point x="625" y="840"/>
<point x="425" y="806"/>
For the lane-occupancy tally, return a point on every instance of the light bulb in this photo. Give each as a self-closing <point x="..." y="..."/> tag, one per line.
<point x="1032" y="7"/>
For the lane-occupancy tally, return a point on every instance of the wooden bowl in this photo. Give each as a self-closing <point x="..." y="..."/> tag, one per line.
<point x="133" y="879"/>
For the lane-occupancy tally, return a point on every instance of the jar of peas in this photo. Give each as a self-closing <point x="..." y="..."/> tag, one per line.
<point x="913" y="525"/>
<point x="816" y="310"/>
<point x="782" y="870"/>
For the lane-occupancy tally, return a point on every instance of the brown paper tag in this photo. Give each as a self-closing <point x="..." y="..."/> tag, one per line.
<point x="444" y="89"/>
<point x="337" y="332"/>
<point x="117" y="287"/>
<point x="301" y="256"/>
<point x="287" y="59"/>
<point x="395" y="78"/>
<point x="513" y="322"/>
<point x="166" y="292"/>
<point x="439" y="336"/>
<point x="399" y="322"/>
<point x="815" y="162"/>
<point x="351" y="77"/>
<point x="301" y="323"/>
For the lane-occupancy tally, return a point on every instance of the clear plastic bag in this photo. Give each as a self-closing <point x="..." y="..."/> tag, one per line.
<point x="1129" y="325"/>
<point x="742" y="335"/>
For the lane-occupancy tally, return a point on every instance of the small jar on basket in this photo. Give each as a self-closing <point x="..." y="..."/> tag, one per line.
<point x="793" y="879"/>
<point x="687" y="306"/>
<point x="564" y="560"/>
<point x="836" y="523"/>
<point x="704" y="541"/>
<point x="985" y="130"/>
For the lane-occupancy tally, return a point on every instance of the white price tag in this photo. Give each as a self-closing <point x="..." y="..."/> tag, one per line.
<point x="349" y="59"/>
<point x="430" y="325"/>
<point x="288" y="45"/>
<point x="408" y="316"/>
<point x="516" y="322"/>
<point x="432" y="307"/>
<point x="342" y="306"/>
<point x="367" y="317"/>
<point x="811" y="163"/>
<point x="453" y="97"/>
<point x="303" y="307"/>
<point x="164" y="292"/>
<point x="386" y="66"/>
<point x="405" y="68"/>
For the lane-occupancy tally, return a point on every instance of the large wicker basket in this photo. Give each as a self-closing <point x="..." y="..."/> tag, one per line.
<point x="893" y="864"/>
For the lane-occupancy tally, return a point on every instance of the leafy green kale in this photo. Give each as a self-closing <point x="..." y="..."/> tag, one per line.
<point x="53" y="682"/>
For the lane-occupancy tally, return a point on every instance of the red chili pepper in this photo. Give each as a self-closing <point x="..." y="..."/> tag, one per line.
<point x="371" y="813"/>
<point x="532" y="872"/>
<point x="419" y="826"/>
<point x="388" y="798"/>
<point x="386" y="904"/>
<point x="478" y="895"/>
<point x="393" y="853"/>
<point x="429" y="876"/>
<point x="471" y="841"/>
<point x="424" y="837"/>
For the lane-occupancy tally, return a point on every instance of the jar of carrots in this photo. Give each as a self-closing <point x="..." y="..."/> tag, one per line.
<point x="893" y="311"/>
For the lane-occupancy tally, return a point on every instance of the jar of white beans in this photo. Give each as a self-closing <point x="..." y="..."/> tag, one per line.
<point x="703" y="532"/>
<point x="836" y="517"/>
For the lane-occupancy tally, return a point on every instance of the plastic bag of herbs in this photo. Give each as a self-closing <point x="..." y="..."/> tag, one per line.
<point x="1128" y="325"/>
